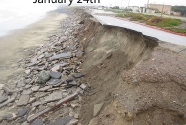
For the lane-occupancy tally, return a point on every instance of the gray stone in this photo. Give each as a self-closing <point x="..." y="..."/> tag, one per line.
<point x="27" y="92"/>
<point x="44" y="88"/>
<point x="65" y="77"/>
<point x="62" y="121"/>
<point x="54" y="97"/>
<point x="73" y="105"/>
<point x="79" y="54"/>
<point x="23" y="100"/>
<point x="83" y="86"/>
<point x="97" y="109"/>
<point x="38" y="68"/>
<point x="94" y="121"/>
<point x="74" y="83"/>
<point x="54" y="82"/>
<point x="7" y="102"/>
<point x="56" y="68"/>
<point x="20" y="84"/>
<point x="73" y="122"/>
<point x="8" y="90"/>
<point x="25" y="123"/>
<point x="35" y="88"/>
<point x="55" y="75"/>
<point x="72" y="47"/>
<point x="31" y="64"/>
<point x="47" y="55"/>
<point x="1" y="86"/>
<point x="23" y="112"/>
<point x="27" y="81"/>
<point x="37" y="122"/>
<point x="21" y="120"/>
<point x="41" y="56"/>
<point x="31" y="100"/>
<point x="69" y="79"/>
<point x="3" y="97"/>
<point x="28" y="86"/>
<point x="78" y="75"/>
<point x="36" y="104"/>
<point x="9" y="116"/>
<point x="27" y="71"/>
<point x="10" y="104"/>
<point x="65" y="94"/>
<point x="34" y="60"/>
<point x="35" y="72"/>
<point x="135" y="81"/>
<point x="76" y="116"/>
<point x="43" y="77"/>
<point x="62" y="55"/>
<point x="62" y="64"/>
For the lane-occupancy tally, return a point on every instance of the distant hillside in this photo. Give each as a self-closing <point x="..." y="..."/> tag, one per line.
<point x="181" y="9"/>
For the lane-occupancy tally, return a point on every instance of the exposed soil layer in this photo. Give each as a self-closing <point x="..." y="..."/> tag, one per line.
<point x="138" y="82"/>
<point x="109" y="51"/>
<point x="151" y="93"/>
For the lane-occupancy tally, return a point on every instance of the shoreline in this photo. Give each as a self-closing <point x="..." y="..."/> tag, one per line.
<point x="15" y="44"/>
<point x="86" y="72"/>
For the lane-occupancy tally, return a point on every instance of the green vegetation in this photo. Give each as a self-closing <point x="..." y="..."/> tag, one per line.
<point x="165" y="23"/>
<point x="115" y="7"/>
<point x="135" y="16"/>
<point x="181" y="9"/>
<point x="177" y="30"/>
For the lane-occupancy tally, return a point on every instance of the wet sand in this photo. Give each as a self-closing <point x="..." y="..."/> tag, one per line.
<point x="13" y="46"/>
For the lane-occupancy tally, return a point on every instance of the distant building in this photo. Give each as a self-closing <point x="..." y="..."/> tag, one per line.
<point x="134" y="8"/>
<point x="146" y="10"/>
<point x="149" y="10"/>
<point x="162" y="8"/>
<point x="175" y="13"/>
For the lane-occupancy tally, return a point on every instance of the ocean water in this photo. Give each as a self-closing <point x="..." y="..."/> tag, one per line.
<point x="19" y="14"/>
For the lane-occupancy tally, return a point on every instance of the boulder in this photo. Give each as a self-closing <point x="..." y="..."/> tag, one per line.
<point x="43" y="77"/>
<point x="55" y="75"/>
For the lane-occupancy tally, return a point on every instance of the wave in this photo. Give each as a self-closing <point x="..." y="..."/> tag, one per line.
<point x="16" y="16"/>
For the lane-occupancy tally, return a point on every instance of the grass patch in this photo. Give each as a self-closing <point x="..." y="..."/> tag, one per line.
<point x="177" y="30"/>
<point x="120" y="15"/>
<point x="135" y="16"/>
<point x="163" y="22"/>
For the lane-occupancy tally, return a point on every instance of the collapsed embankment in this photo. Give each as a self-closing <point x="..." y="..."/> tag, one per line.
<point x="136" y="81"/>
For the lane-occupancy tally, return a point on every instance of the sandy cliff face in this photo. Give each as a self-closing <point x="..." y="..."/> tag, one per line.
<point x="138" y="82"/>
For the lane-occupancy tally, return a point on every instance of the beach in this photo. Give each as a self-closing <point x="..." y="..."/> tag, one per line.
<point x="76" y="71"/>
<point x="14" y="46"/>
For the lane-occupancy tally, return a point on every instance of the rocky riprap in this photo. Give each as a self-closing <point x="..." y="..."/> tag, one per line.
<point x="52" y="78"/>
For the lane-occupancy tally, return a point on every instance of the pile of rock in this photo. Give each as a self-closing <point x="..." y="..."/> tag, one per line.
<point x="52" y="79"/>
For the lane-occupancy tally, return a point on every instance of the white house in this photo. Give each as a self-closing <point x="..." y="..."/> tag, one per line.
<point x="134" y="8"/>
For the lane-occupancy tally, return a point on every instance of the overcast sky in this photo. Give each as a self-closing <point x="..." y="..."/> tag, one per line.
<point x="108" y="2"/>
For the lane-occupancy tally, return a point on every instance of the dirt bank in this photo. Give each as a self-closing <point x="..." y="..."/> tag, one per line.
<point x="137" y="83"/>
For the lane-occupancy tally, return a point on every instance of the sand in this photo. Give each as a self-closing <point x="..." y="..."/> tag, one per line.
<point x="13" y="46"/>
